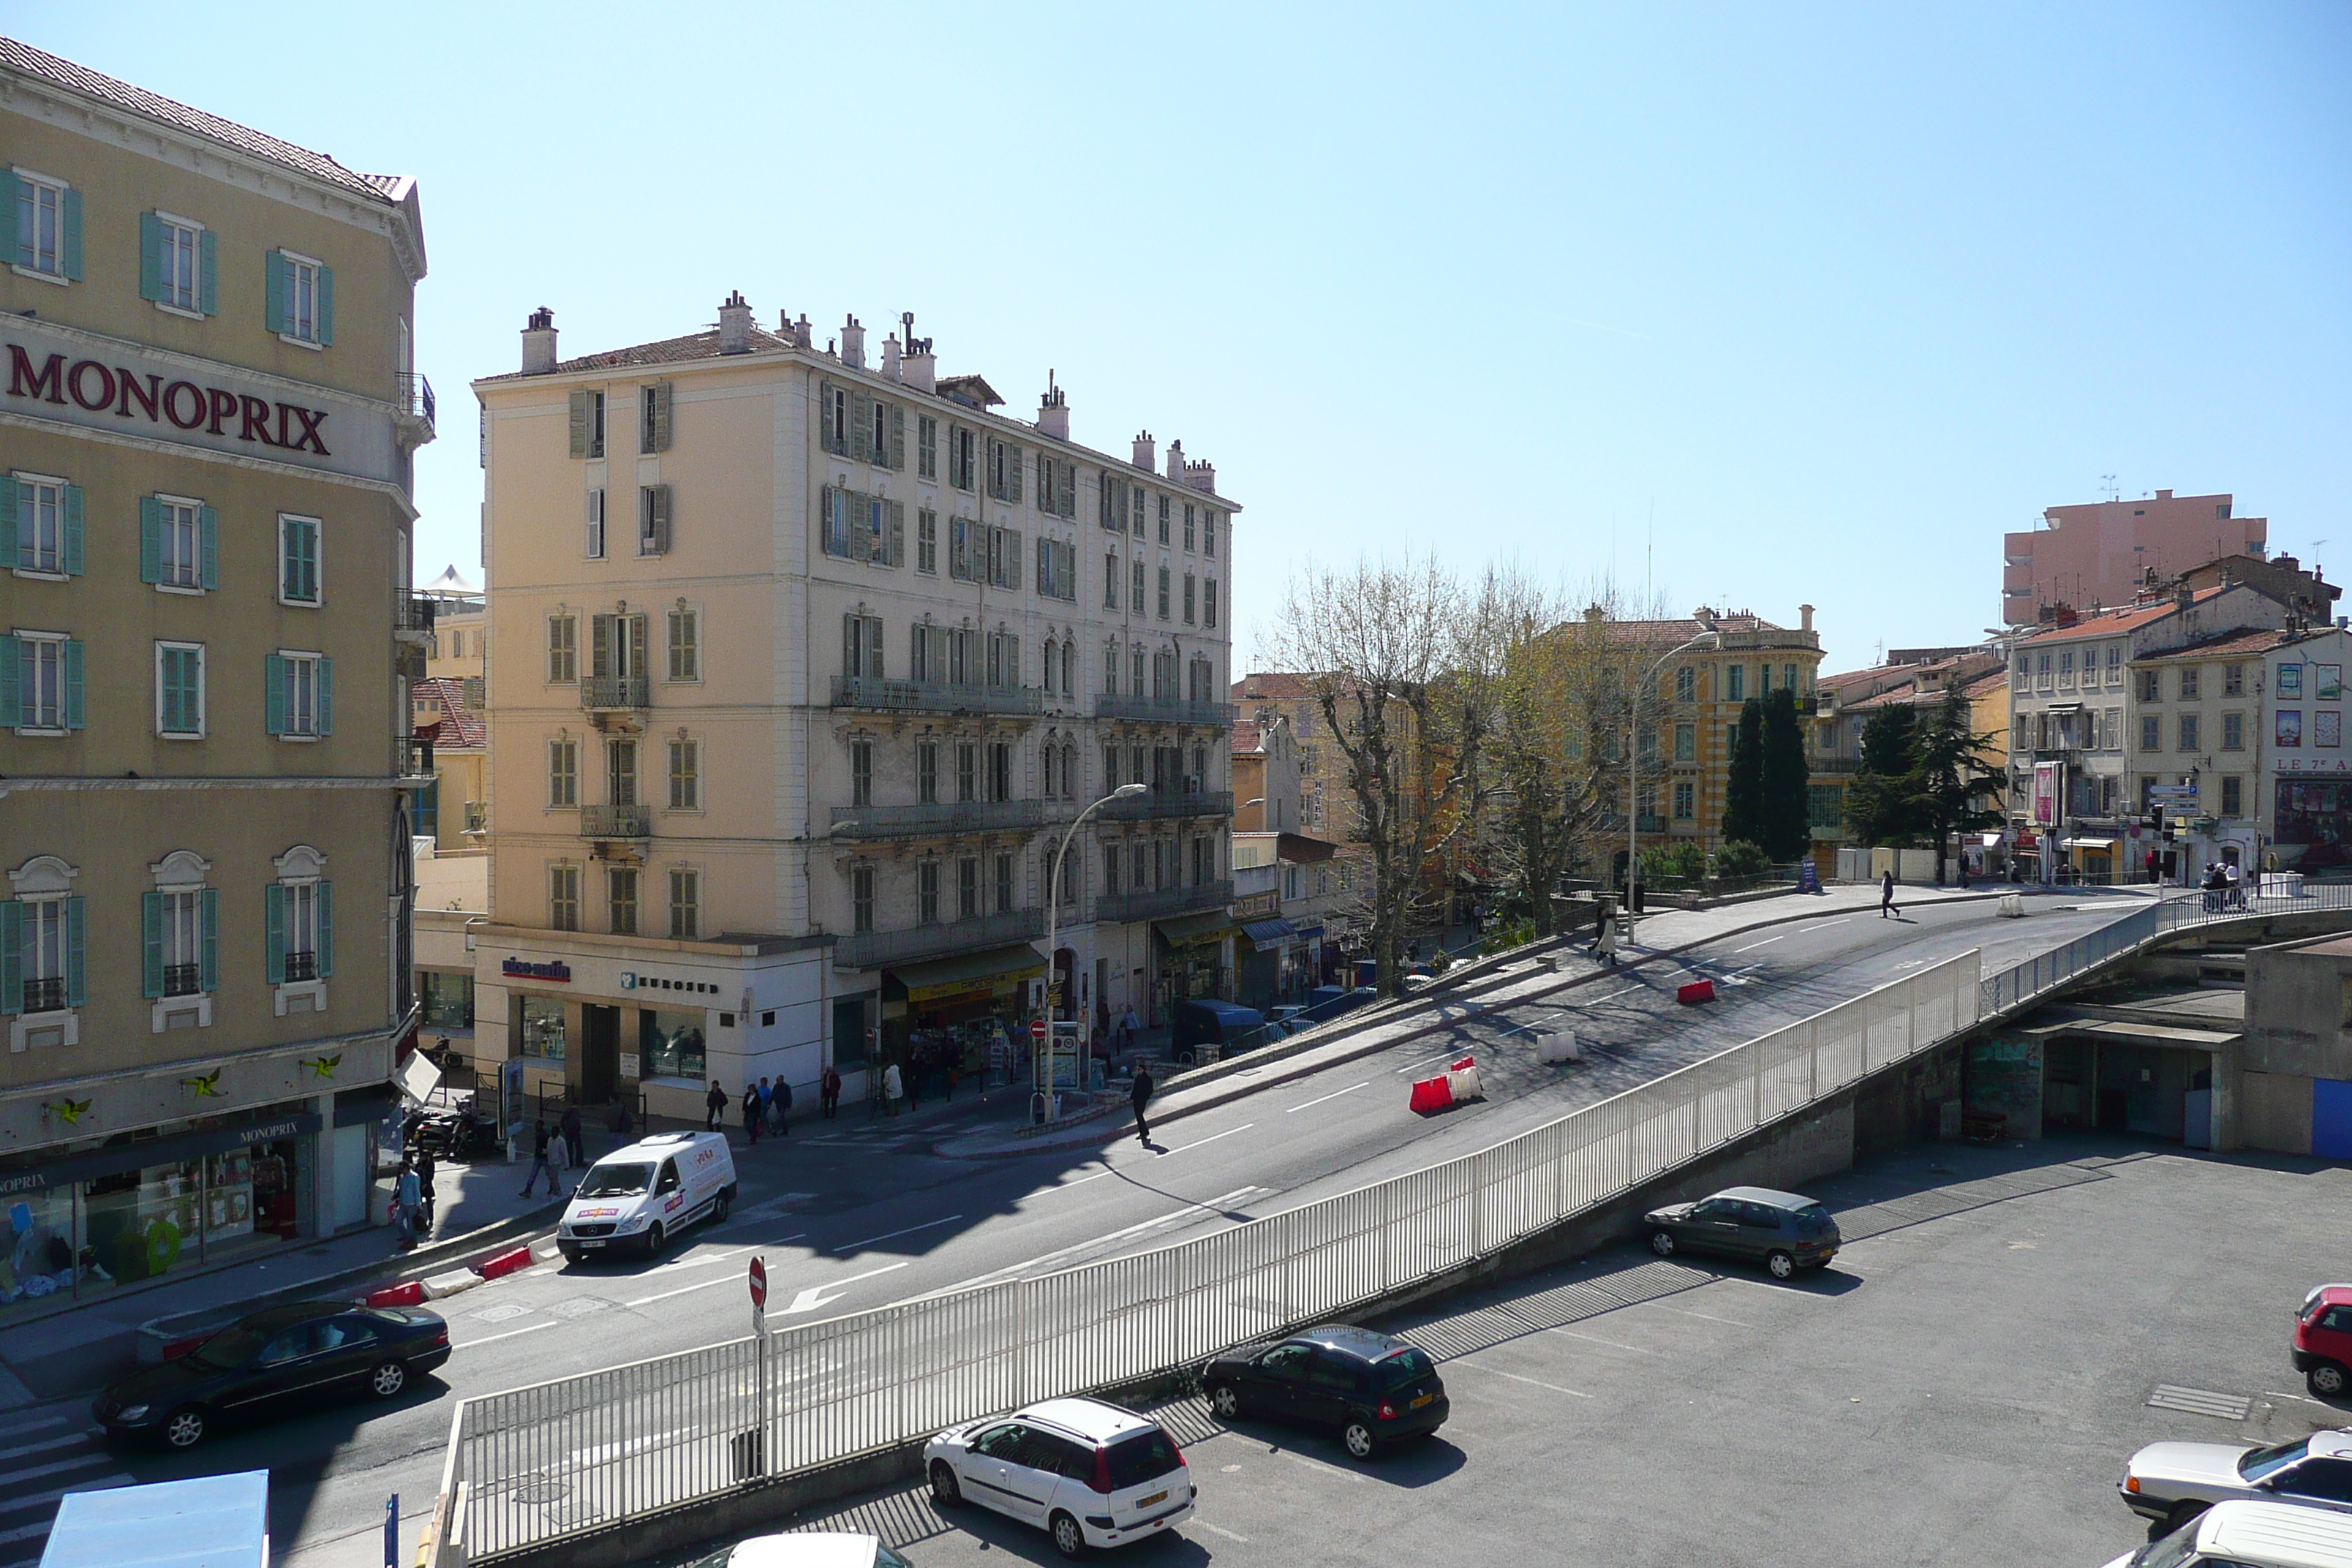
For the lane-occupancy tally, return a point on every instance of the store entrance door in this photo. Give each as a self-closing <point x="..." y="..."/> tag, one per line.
<point x="600" y="1053"/>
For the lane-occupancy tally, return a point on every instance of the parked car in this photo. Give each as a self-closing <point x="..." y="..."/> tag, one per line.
<point x="634" y="1198"/>
<point x="2242" y="1535"/>
<point x="2175" y="1483"/>
<point x="1330" y="1001"/>
<point x="1373" y="1389"/>
<point x="2323" y="1341"/>
<point x="1783" y="1231"/>
<point x="1092" y="1474"/>
<point x="272" y="1361"/>
<point x="1202" y="1022"/>
<point x="1285" y="1020"/>
<point x="806" y="1548"/>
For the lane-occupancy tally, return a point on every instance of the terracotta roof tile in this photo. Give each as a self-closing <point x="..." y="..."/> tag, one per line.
<point x="669" y="350"/>
<point x="460" y="729"/>
<point x="2114" y="621"/>
<point x="1245" y="738"/>
<point x="2245" y="640"/>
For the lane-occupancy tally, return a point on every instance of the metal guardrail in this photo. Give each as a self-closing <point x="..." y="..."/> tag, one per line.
<point x="2046" y="972"/>
<point x="557" y="1460"/>
<point x="613" y="691"/>
<point x="866" y="949"/>
<point x="412" y="396"/>
<point x="1171" y="803"/>
<point x="616" y="822"/>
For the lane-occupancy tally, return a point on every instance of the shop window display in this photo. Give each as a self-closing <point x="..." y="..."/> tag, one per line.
<point x="542" y="1028"/>
<point x="41" y="1259"/>
<point x="448" y="999"/>
<point x="671" y="1045"/>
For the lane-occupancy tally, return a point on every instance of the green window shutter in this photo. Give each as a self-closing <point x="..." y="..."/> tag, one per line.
<point x="208" y="273"/>
<point x="208" y="940"/>
<point x="12" y="913"/>
<point x="861" y="428"/>
<point x="326" y="696"/>
<point x="12" y="701"/>
<point x="274" y="701"/>
<point x="72" y="662"/>
<point x="273" y="291"/>
<point x="326" y="306"/>
<point x="661" y="395"/>
<point x="579" y="424"/>
<point x="274" y="903"/>
<point x="8" y="514"/>
<point x="70" y="530"/>
<point x="69" y="249"/>
<point x="151" y="280"/>
<point x="894" y="515"/>
<point x="829" y="438"/>
<point x="326" y="949"/>
<point x="208" y="546"/>
<point x="151" y="540"/>
<point x="1014" y="458"/>
<point x="897" y="439"/>
<point x="150" y="944"/>
<point x="76" y="942"/>
<point x="16" y="244"/>
<point x="1069" y="491"/>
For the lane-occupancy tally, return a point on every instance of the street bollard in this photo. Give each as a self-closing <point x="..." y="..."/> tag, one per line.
<point x="392" y="1532"/>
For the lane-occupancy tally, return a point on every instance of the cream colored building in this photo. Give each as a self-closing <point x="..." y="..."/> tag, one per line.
<point x="207" y="423"/>
<point x="799" y="666"/>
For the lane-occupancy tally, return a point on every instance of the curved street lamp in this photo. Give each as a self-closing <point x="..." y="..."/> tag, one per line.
<point x="1053" y="929"/>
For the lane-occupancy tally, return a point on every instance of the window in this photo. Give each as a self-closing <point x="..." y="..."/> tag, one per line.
<point x="2065" y="668"/>
<point x="300" y="700"/>
<point x="1191" y="594"/>
<point x="654" y="418"/>
<point x="2234" y="680"/>
<point x="424" y="810"/>
<point x="926" y="893"/>
<point x="2233" y="795"/>
<point x="653" y="519"/>
<point x="300" y="298"/>
<point x="621" y="899"/>
<point x="861" y="645"/>
<point x="1000" y="770"/>
<point x="1685" y="743"/>
<point x="686" y="775"/>
<point x="563" y="649"/>
<point x="1004" y="460"/>
<point x="927" y="772"/>
<point x="861" y="772"/>
<point x="1163" y="590"/>
<point x="2152" y="686"/>
<point x="2111" y="731"/>
<point x="587" y="424"/>
<point x="2188" y="732"/>
<point x="926" y="539"/>
<point x="1136" y="861"/>
<point x="964" y="457"/>
<point x="49" y="525"/>
<point x="1685" y="800"/>
<point x="832" y="405"/>
<point x="48" y="226"/>
<point x="1135" y="600"/>
<point x="1208" y="601"/>
<point x="2234" y="731"/>
<point x="967" y="771"/>
<point x="564" y="773"/>
<point x="1735" y="683"/>
<point x="176" y="264"/>
<point x="592" y="546"/>
<point x="180" y="690"/>
<point x="298" y="560"/>
<point x="685" y="645"/>
<point x="1164" y="505"/>
<point x="1189" y="535"/>
<point x="2151" y="734"/>
<point x="302" y="927"/>
<point x="1110" y="857"/>
<point x="41" y="946"/>
<point x="967" y="889"/>
<point x="1004" y="884"/>
<point x="1209" y="532"/>
<point x="2115" y="664"/>
<point x="926" y="449"/>
<point x="563" y="908"/>
<point x="1685" y="684"/>
<point x="685" y="904"/>
<point x="620" y="772"/>
<point x="2189" y="683"/>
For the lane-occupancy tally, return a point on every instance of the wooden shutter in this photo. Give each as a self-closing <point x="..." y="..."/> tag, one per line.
<point x="324" y="695"/>
<point x="580" y="421"/>
<point x="895" y="513"/>
<point x="69" y="656"/>
<point x="658" y="520"/>
<point x="828" y="437"/>
<point x="860" y="510"/>
<point x="1068" y="487"/>
<point x="897" y="443"/>
<point x="873" y="647"/>
<point x="151" y="538"/>
<point x="12" y="701"/>
<point x="853" y="629"/>
<point x="600" y="647"/>
<point x="77" y="946"/>
<point x="861" y="428"/>
<point x="15" y="252"/>
<point x="150" y="934"/>
<point x="658" y="394"/>
<point x="325" y="309"/>
<point x="70" y="529"/>
<point x="326" y="948"/>
<point x="1013" y="458"/>
<point x="1013" y="558"/>
<point x="209" y="275"/>
<point x="274" y="292"/>
<point x="208" y="546"/>
<point x="274" y="933"/>
<point x="69" y="247"/>
<point x="208" y="940"/>
<point x="151" y="285"/>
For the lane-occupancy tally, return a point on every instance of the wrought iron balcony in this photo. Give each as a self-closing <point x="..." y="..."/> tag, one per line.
<point x="412" y="405"/>
<point x="877" y="948"/>
<point x="183" y="979"/>
<point x="1112" y="705"/>
<point x="301" y="966"/>
<point x="925" y="697"/>
<point x="1159" y="806"/>
<point x="45" y="996"/>
<point x="937" y="817"/>
<point x="1158" y="903"/>
<point x="413" y="614"/>
<point x="1833" y="765"/>
<point x="1649" y="822"/>
<point x="613" y="691"/>
<point x="616" y="822"/>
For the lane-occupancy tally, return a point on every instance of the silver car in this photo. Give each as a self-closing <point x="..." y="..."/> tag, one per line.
<point x="2175" y="1483"/>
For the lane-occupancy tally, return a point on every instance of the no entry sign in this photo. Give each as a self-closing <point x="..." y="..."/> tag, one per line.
<point x="1037" y="1029"/>
<point x="758" y="1286"/>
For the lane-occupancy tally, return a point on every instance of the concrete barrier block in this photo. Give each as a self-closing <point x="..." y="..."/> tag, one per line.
<point x="1695" y="991"/>
<point x="436" y="1286"/>
<point x="504" y="1263"/>
<point x="407" y="1293"/>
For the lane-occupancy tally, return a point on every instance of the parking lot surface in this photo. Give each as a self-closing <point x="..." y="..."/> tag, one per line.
<point x="1962" y="1386"/>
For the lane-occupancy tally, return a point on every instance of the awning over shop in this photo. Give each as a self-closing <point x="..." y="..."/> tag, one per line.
<point x="2098" y="846"/>
<point x="1990" y="840"/>
<point x="1186" y="931"/>
<point x="1269" y="934"/>
<point x="968" y="971"/>
<point x="2062" y="708"/>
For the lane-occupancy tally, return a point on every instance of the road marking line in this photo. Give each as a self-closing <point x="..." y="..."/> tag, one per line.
<point x="80" y="1462"/>
<point x="1210" y="1139"/>
<point x="1319" y="1465"/>
<point x="103" y="1483"/>
<point x="888" y="1235"/>
<point x="486" y="1339"/>
<point x="45" y="1444"/>
<point x="1416" y="1067"/>
<point x="1048" y="1261"/>
<point x="1515" y="1377"/>
<point x="41" y="1421"/>
<point x="1162" y="1154"/>
<point x="1753" y="946"/>
<point x="682" y="1289"/>
<point x="1613" y="1344"/>
<point x="1707" y="1316"/>
<point x="1333" y="1095"/>
<point x="1824" y="925"/>
<point x="1228" y="1534"/>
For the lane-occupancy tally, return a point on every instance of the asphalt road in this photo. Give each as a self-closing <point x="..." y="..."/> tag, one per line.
<point x="867" y="1214"/>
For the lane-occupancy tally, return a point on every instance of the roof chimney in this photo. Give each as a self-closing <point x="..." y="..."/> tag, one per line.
<point x="1595" y="615"/>
<point x="852" y="344"/>
<point x="2184" y="596"/>
<point x="893" y="367"/>
<point x="538" y="342"/>
<point x="922" y="366"/>
<point x="2164" y="495"/>
<point x="1804" y="617"/>
<point x="1175" y="459"/>
<point x="1146" y="450"/>
<point x="1054" y="411"/>
<point x="735" y="325"/>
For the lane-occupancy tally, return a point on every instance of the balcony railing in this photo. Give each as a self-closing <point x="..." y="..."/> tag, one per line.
<point x="924" y="696"/>
<point x="416" y="613"/>
<point x="1111" y="705"/>
<point x="1649" y="822"/>
<point x="46" y="995"/>
<point x="937" y="817"/>
<point x="613" y="691"/>
<point x="876" y="949"/>
<point x="616" y="822"/>
<point x="183" y="979"/>
<point x="301" y="966"/>
<point x="1162" y="902"/>
<point x="1172" y="803"/>
<point x="416" y="757"/>
<point x="413" y="399"/>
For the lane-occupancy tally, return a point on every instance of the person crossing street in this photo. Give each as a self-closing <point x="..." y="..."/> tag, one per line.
<point x="1139" y="1094"/>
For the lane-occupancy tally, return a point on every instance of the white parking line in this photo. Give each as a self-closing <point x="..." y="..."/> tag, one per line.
<point x="1228" y="1534"/>
<point x="1319" y="1465"/>
<point x="1710" y="1317"/>
<point x="890" y="1235"/>
<point x="1515" y="1377"/>
<point x="1613" y="1344"/>
<point x="1753" y="946"/>
<point x="1333" y="1095"/>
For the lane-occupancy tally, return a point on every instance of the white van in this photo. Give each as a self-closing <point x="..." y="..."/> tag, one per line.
<point x="640" y="1196"/>
<point x="2243" y="1533"/>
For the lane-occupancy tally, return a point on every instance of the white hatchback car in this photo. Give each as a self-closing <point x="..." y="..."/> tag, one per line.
<point x="1090" y="1473"/>
<point x="806" y="1548"/>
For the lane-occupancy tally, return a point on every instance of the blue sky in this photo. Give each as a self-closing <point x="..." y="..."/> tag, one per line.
<point x="1771" y="305"/>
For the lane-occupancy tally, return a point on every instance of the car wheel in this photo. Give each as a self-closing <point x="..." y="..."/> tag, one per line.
<point x="719" y="1209"/>
<point x="388" y="1379"/>
<point x="1358" y="1437"/>
<point x="653" y="1241"/>
<point x="1782" y="1266"/>
<point x="2325" y="1379"/>
<point x="946" y="1491"/>
<point x="1069" y="1539"/>
<point x="1226" y="1401"/>
<point x="1661" y="1242"/>
<point x="185" y="1427"/>
<point x="2182" y="1512"/>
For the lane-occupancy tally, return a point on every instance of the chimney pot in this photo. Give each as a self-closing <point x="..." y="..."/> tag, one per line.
<point x="893" y="366"/>
<point x="735" y="325"/>
<point x="1054" y="411"/>
<point x="1804" y="617"/>
<point x="852" y="344"/>
<point x="538" y="342"/>
<point x="1146" y="451"/>
<point x="1175" y="459"/>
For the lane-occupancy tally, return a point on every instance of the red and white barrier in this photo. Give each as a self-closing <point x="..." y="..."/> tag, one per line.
<point x="505" y="1263"/>
<point x="1463" y="1079"/>
<point x="1431" y="1094"/>
<point x="1695" y="991"/>
<point x="407" y="1293"/>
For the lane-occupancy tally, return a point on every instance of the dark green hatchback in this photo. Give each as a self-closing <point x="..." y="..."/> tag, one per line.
<point x="1783" y="1231"/>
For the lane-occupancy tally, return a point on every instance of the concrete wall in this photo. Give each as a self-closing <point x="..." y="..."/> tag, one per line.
<point x="2274" y="1112"/>
<point x="2298" y="1001"/>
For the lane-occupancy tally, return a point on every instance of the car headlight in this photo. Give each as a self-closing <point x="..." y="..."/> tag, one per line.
<point x="130" y="1413"/>
<point x="635" y="1222"/>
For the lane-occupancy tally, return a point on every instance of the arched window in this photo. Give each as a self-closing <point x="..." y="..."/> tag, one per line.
<point x="41" y="939"/>
<point x="299" y="913"/>
<point x="180" y="927"/>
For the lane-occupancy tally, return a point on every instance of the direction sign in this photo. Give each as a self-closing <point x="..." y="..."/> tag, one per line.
<point x="2172" y="791"/>
<point x="759" y="1285"/>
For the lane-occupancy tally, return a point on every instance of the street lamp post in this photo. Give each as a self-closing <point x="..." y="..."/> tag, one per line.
<point x="1052" y="929"/>
<point x="1633" y="769"/>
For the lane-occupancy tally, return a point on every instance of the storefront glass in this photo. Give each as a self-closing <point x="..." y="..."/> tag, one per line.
<point x="542" y="1028"/>
<point x="669" y="1045"/>
<point x="448" y="999"/>
<point x="40" y="1248"/>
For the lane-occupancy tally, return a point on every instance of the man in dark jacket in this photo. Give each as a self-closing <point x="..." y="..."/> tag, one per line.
<point x="753" y="1112"/>
<point x="539" y="1161"/>
<point x="714" y="1103"/>
<point x="1139" y="1094"/>
<point x="575" y="1147"/>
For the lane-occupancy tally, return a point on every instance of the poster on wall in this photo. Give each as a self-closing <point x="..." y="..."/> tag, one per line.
<point x="2327" y="728"/>
<point x="2315" y="822"/>
<point x="2290" y="680"/>
<point x="2330" y="680"/>
<point x="2289" y="733"/>
<point x="2047" y="781"/>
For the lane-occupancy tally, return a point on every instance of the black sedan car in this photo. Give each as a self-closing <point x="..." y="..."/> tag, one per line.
<point x="1782" y="1231"/>
<point x="1374" y="1389"/>
<point x="272" y="1358"/>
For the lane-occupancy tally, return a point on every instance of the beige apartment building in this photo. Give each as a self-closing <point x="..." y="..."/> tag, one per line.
<point x="207" y="425"/>
<point x="2100" y="554"/>
<point x="800" y="668"/>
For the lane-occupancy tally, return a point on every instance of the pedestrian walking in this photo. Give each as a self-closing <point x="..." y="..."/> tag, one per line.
<point x="558" y="1156"/>
<point x="829" y="1091"/>
<point x="892" y="1087"/>
<point x="715" y="1102"/>
<point x="425" y="1172"/>
<point x="767" y="1100"/>
<point x="1139" y="1094"/>
<point x="576" y="1142"/>
<point x="538" y="1141"/>
<point x="752" y="1113"/>
<point x="1607" y="944"/>
<point x="2236" y="879"/>
<point x="1126" y="1030"/>
<point x="1605" y="920"/>
<point x="620" y="1123"/>
<point x="782" y="1106"/>
<point x="1886" y="895"/>
<point x="405" y="1202"/>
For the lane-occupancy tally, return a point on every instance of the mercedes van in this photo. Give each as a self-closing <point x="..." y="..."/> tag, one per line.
<point x="637" y="1198"/>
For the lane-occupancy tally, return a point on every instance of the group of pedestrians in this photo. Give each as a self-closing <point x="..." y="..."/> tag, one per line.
<point x="563" y="1148"/>
<point x="2223" y="885"/>
<point x="767" y="1105"/>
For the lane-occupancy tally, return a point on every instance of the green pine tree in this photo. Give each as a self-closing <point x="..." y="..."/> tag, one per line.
<point x="1784" y="825"/>
<point x="1878" y="809"/>
<point x="1948" y="774"/>
<point x="1743" y="792"/>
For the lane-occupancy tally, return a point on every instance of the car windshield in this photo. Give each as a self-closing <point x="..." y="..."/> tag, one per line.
<point x="2172" y="1550"/>
<point x="231" y="1348"/>
<point x="1814" y="1220"/>
<point x="1144" y="1456"/>
<point x="2256" y="1463"/>
<point x="617" y="1181"/>
<point x="1395" y="1372"/>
